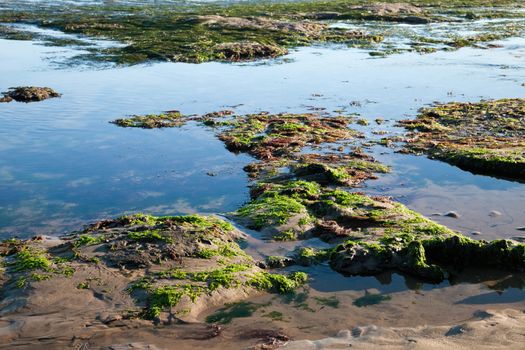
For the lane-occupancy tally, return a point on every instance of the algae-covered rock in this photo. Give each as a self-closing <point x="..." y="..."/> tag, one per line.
<point x="484" y="137"/>
<point x="29" y="94"/>
<point x="154" y="267"/>
<point x="247" y="51"/>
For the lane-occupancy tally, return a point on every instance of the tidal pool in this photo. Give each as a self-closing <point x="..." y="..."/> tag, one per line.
<point x="62" y="165"/>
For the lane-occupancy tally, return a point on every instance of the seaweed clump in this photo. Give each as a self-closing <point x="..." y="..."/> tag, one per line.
<point x="28" y="94"/>
<point x="484" y="137"/>
<point x="152" y="121"/>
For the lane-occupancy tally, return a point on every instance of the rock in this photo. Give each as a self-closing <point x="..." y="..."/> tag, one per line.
<point x="475" y="233"/>
<point x="323" y="16"/>
<point x="274" y="262"/>
<point x="415" y="20"/>
<point x="29" y="94"/>
<point x="452" y="214"/>
<point x="311" y="29"/>
<point x="520" y="239"/>
<point x="386" y="9"/>
<point x="522" y="228"/>
<point x="494" y="213"/>
<point x="248" y="50"/>
<point x="455" y="330"/>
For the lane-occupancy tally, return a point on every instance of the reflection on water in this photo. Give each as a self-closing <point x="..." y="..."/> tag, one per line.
<point x="62" y="164"/>
<point x="488" y="207"/>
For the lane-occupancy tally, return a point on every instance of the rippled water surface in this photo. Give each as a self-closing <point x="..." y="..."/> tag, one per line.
<point x="62" y="164"/>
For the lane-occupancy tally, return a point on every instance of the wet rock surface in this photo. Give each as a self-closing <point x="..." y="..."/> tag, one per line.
<point x="484" y="137"/>
<point x="248" y="51"/>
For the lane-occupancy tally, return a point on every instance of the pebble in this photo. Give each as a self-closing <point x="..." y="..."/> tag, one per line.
<point x="455" y="330"/>
<point x="522" y="228"/>
<point x="452" y="214"/>
<point x="494" y="213"/>
<point x="475" y="233"/>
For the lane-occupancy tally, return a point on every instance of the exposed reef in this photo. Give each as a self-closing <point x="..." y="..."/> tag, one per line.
<point x="484" y="137"/>
<point x="253" y="31"/>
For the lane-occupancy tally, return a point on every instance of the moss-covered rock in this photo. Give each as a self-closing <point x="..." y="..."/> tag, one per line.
<point x="171" y="266"/>
<point x="484" y="137"/>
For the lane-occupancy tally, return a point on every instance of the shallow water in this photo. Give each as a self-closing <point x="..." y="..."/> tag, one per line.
<point x="63" y="165"/>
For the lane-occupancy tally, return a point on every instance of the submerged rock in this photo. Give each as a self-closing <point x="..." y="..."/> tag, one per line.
<point x="452" y="214"/>
<point x="29" y="94"/>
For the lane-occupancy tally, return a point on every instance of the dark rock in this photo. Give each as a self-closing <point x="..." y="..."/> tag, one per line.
<point x="29" y="94"/>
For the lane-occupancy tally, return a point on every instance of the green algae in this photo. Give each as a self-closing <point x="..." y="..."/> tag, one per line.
<point x="166" y="297"/>
<point x="30" y="259"/>
<point x="146" y="236"/>
<point x="309" y="256"/>
<point x="278" y="282"/>
<point x="263" y="136"/>
<point x="193" y="221"/>
<point x="286" y="235"/>
<point x="271" y="210"/>
<point x="152" y="121"/>
<point x="244" y="31"/>
<point x="32" y="264"/>
<point x="86" y="240"/>
<point x="223" y="249"/>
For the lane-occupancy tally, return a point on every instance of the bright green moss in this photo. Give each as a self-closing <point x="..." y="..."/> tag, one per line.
<point x="31" y="259"/>
<point x="164" y="298"/>
<point x="270" y="211"/>
<point x="226" y="277"/>
<point x="308" y="256"/>
<point x="277" y="282"/>
<point x="85" y="240"/>
<point x="146" y="236"/>
<point x="227" y="250"/>
<point x="286" y="235"/>
<point x="347" y="199"/>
